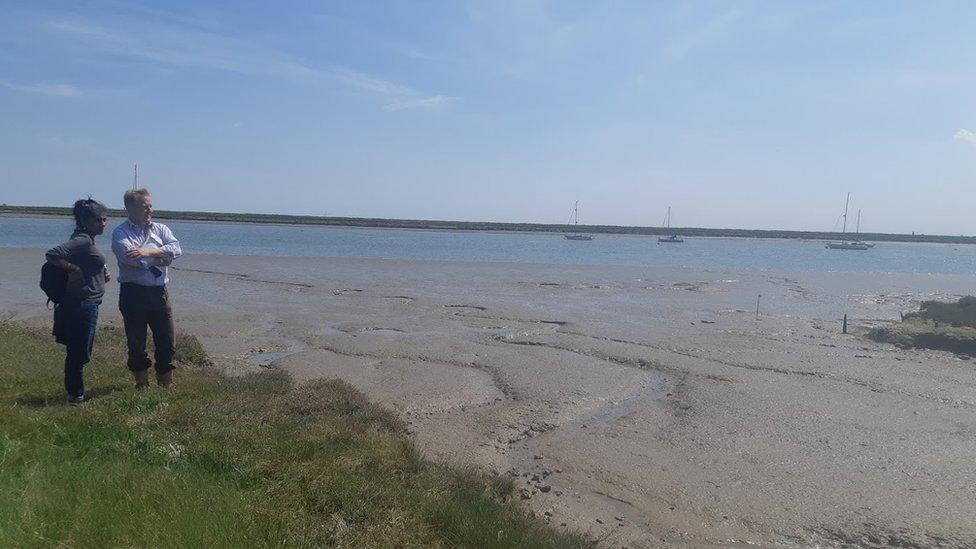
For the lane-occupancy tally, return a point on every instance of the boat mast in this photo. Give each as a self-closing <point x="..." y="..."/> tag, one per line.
<point x="576" y="214"/>
<point x="135" y="176"/>
<point x="858" y="230"/>
<point x="846" y="204"/>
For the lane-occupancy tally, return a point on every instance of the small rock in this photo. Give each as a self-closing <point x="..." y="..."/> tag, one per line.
<point x="599" y="521"/>
<point x="537" y="456"/>
<point x="545" y="488"/>
<point x="558" y="492"/>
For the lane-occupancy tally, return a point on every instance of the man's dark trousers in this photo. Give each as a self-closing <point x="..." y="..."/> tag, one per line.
<point x="142" y="307"/>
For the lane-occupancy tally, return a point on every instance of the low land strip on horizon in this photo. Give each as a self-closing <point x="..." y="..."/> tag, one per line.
<point x="370" y="222"/>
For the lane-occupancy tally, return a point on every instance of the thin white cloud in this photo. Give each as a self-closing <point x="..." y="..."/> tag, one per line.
<point x="185" y="48"/>
<point x="428" y="103"/>
<point x="55" y="90"/>
<point x="84" y="30"/>
<point x="180" y="47"/>
<point x="965" y="135"/>
<point x="367" y="82"/>
<point x="713" y="30"/>
<point x="413" y="52"/>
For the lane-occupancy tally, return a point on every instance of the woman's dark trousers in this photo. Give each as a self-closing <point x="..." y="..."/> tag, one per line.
<point x="79" y="319"/>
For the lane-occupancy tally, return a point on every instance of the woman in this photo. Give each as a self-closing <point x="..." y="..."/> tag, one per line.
<point x="76" y="315"/>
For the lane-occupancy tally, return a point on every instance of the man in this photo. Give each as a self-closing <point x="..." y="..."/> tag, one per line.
<point x="144" y="249"/>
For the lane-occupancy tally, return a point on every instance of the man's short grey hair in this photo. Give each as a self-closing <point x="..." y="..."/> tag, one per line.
<point x="131" y="195"/>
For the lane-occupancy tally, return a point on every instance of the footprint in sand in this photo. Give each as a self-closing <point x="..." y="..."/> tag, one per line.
<point x="401" y="298"/>
<point x="380" y="330"/>
<point x="474" y="307"/>
<point x="344" y="291"/>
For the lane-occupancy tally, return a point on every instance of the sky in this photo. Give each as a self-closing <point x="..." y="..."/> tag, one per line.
<point x="741" y="114"/>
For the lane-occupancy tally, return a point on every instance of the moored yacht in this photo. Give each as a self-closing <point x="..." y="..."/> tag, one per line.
<point x="578" y="235"/>
<point x="855" y="244"/>
<point x="673" y="239"/>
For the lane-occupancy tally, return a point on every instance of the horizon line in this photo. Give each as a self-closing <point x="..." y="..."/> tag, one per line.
<point x="503" y="226"/>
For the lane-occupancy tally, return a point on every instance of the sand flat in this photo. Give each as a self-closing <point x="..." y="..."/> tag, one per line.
<point x="647" y="407"/>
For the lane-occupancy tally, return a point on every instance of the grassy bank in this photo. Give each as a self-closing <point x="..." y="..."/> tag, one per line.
<point x="224" y="462"/>
<point x="958" y="314"/>
<point x="228" y="217"/>
<point x="936" y="325"/>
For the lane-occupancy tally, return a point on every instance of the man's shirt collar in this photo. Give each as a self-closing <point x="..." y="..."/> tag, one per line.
<point x="137" y="227"/>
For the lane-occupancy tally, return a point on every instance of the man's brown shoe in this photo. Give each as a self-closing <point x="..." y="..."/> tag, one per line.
<point x="164" y="380"/>
<point x="142" y="378"/>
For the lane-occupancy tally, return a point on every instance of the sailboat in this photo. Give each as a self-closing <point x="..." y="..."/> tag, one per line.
<point x="857" y="232"/>
<point x="578" y="235"/>
<point x="850" y="244"/>
<point x="673" y="239"/>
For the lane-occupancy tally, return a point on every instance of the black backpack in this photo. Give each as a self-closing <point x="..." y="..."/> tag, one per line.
<point x="54" y="282"/>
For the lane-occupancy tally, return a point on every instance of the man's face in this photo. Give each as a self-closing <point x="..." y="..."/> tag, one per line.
<point x="140" y="210"/>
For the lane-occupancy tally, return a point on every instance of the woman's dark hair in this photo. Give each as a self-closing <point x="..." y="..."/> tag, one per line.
<point x="87" y="209"/>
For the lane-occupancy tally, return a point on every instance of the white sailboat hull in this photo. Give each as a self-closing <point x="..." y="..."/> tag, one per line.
<point x="673" y="239"/>
<point x="849" y="246"/>
<point x="577" y="236"/>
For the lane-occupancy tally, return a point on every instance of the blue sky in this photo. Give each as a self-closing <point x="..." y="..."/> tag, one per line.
<point x="737" y="114"/>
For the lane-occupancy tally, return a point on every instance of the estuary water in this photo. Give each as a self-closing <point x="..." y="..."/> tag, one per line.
<point x="438" y="245"/>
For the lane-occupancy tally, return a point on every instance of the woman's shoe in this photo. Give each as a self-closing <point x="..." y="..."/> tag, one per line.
<point x="77" y="399"/>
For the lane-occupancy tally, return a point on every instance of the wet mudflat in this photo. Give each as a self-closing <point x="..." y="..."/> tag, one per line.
<point x="645" y="406"/>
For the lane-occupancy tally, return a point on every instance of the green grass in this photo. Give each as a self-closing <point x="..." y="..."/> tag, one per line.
<point x="222" y="462"/>
<point x="937" y="325"/>
<point x="958" y="314"/>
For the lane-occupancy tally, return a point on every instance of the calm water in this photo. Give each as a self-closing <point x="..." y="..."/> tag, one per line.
<point x="277" y="240"/>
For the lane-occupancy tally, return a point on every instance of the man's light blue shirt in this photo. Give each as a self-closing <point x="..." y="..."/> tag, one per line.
<point x="128" y="235"/>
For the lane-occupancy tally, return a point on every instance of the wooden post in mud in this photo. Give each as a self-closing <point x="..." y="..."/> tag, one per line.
<point x="757" y="305"/>
<point x="845" y="325"/>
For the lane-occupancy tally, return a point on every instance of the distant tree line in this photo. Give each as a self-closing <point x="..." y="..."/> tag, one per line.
<point x="488" y="226"/>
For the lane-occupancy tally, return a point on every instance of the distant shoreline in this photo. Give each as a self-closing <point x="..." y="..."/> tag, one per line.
<point x="366" y="222"/>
